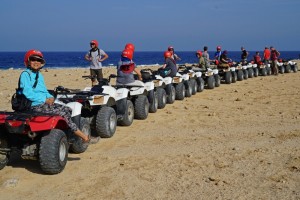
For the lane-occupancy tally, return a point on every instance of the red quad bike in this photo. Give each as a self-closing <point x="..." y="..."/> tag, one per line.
<point x="43" y="137"/>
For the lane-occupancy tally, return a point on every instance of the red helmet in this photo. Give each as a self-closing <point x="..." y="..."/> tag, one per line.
<point x="218" y="47"/>
<point x="170" y="48"/>
<point x="199" y="52"/>
<point x="167" y="54"/>
<point x="95" y="42"/>
<point x="127" y="53"/>
<point x="33" y="53"/>
<point x="129" y="46"/>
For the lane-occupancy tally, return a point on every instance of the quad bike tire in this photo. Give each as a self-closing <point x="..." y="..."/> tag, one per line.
<point x="234" y="77"/>
<point x="128" y="116"/>
<point x="269" y="71"/>
<point x="53" y="152"/>
<point x="288" y="69"/>
<point x="78" y="146"/>
<point x="228" y="77"/>
<point x="295" y="68"/>
<point x="4" y="158"/>
<point x="153" y="101"/>
<point x="255" y="72"/>
<point x="281" y="69"/>
<point x="217" y="80"/>
<point x="245" y="71"/>
<point x="211" y="82"/>
<point x="200" y="84"/>
<point x="106" y="122"/>
<point x="171" y="93"/>
<point x="188" y="88"/>
<point x="250" y="73"/>
<point x="240" y="75"/>
<point x="161" y="98"/>
<point x="263" y="72"/>
<point x="180" y="91"/>
<point x="194" y="86"/>
<point x="141" y="107"/>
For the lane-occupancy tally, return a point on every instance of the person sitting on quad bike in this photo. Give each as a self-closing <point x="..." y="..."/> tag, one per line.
<point x="32" y="86"/>
<point x="126" y="67"/>
<point x="201" y="60"/>
<point x="224" y="60"/>
<point x="257" y="59"/>
<point x="218" y="53"/>
<point x="169" y="68"/>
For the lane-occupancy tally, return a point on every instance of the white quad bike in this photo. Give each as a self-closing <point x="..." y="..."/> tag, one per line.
<point x="188" y="83"/>
<point x="98" y="105"/>
<point x="196" y="79"/>
<point x="154" y="77"/>
<point x="132" y="102"/>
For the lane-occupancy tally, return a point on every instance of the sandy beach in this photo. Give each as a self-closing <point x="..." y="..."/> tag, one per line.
<point x="237" y="141"/>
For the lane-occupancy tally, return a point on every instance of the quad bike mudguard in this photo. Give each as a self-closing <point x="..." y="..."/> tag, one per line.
<point x="21" y="123"/>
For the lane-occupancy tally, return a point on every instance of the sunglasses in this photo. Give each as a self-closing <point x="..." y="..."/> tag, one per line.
<point x="92" y="44"/>
<point x="36" y="59"/>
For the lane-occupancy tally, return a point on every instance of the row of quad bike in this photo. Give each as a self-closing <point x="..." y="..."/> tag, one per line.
<point x="99" y="109"/>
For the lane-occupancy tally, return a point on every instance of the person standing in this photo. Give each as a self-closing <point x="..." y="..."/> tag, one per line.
<point x="206" y="57"/>
<point x="274" y="57"/>
<point x="174" y="55"/>
<point x="244" y="56"/>
<point x="95" y="56"/>
<point x="267" y="54"/>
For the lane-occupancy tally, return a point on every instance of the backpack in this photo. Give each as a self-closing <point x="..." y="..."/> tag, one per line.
<point x="19" y="102"/>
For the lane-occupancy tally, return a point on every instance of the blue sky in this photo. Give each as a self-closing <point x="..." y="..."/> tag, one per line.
<point x="69" y="25"/>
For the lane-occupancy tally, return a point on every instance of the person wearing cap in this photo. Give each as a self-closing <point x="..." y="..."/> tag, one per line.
<point x="95" y="56"/>
<point x="32" y="86"/>
<point x="201" y="60"/>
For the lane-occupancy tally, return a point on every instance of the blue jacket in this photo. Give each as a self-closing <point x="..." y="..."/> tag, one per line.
<point x="37" y="95"/>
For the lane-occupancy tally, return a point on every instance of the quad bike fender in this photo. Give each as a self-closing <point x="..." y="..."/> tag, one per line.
<point x="215" y="71"/>
<point x="111" y="91"/>
<point x="254" y="65"/>
<point x="279" y="64"/>
<point x="232" y="69"/>
<point x="76" y="108"/>
<point x="168" y="80"/>
<point x="159" y="77"/>
<point x="122" y="93"/>
<point x="245" y="66"/>
<point x="198" y="74"/>
<point x="185" y="77"/>
<point x="149" y="86"/>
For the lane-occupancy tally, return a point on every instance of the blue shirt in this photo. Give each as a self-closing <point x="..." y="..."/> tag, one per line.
<point x="37" y="95"/>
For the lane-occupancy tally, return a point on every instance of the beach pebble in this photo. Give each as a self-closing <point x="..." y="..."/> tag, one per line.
<point x="10" y="183"/>
<point x="238" y="99"/>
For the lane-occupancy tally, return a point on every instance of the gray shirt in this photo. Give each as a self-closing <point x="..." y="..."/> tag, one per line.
<point x="206" y="58"/>
<point x="96" y="55"/>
